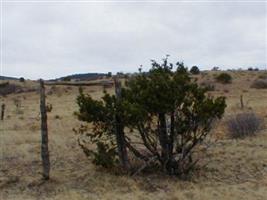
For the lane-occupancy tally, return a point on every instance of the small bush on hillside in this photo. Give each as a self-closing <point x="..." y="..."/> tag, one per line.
<point x="224" y="78"/>
<point x="244" y="124"/>
<point x="105" y="156"/>
<point x="7" y="88"/>
<point x="253" y="69"/>
<point x="194" y="70"/>
<point x="10" y="88"/>
<point x="259" y="84"/>
<point x="20" y="112"/>
<point x="18" y="104"/>
<point x="109" y="74"/>
<point x="57" y="117"/>
<point x="66" y="79"/>
<point x="21" y="80"/>
<point x="52" y="90"/>
<point x="215" y="69"/>
<point x="208" y="85"/>
<point x="203" y="74"/>
<point x="49" y="107"/>
<point x="4" y="84"/>
<point x="263" y="76"/>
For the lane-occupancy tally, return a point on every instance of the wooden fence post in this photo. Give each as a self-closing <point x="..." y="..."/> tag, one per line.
<point x="44" y="133"/>
<point x="120" y="137"/>
<point x="3" y="111"/>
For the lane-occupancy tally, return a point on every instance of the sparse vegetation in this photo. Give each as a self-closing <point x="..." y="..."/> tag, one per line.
<point x="49" y="107"/>
<point x="263" y="76"/>
<point x="259" y="84"/>
<point x="66" y="79"/>
<point x="223" y="78"/>
<point x="244" y="124"/>
<point x="208" y="85"/>
<point x="57" y="117"/>
<point x="4" y="84"/>
<point x="215" y="69"/>
<point x="18" y="103"/>
<point x="8" y="88"/>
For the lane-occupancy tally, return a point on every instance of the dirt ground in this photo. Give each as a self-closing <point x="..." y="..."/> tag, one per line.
<point x="236" y="169"/>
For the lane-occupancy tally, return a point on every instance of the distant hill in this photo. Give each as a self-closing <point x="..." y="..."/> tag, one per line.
<point x="8" y="78"/>
<point x="83" y="77"/>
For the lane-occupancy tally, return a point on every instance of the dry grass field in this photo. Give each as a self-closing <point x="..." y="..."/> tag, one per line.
<point x="236" y="169"/>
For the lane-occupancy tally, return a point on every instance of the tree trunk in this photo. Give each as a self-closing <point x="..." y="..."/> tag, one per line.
<point x="163" y="139"/>
<point x="44" y="133"/>
<point x="120" y="136"/>
<point x="171" y="140"/>
<point x="3" y="111"/>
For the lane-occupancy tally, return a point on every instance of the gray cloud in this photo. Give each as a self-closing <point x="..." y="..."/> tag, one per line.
<point x="54" y="39"/>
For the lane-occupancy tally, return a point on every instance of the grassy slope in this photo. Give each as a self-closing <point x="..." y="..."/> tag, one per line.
<point x="237" y="169"/>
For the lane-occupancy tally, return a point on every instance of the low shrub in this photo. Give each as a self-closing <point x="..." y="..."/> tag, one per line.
<point x="3" y="84"/>
<point x="253" y="69"/>
<point x="57" y="117"/>
<point x="259" y="84"/>
<point x="244" y="124"/>
<point x="223" y="78"/>
<point x="105" y="155"/>
<point x="208" y="85"/>
<point x="19" y="112"/>
<point x="194" y="70"/>
<point x="66" y="79"/>
<point x="7" y="88"/>
<point x="10" y="88"/>
<point x="263" y="76"/>
<point x="203" y="74"/>
<point x="49" y="107"/>
<point x="215" y="69"/>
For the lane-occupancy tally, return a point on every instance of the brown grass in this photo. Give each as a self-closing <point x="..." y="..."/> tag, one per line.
<point x="237" y="169"/>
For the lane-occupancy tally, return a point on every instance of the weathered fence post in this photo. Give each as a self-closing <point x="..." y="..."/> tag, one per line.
<point x="120" y="137"/>
<point x="3" y="111"/>
<point x="44" y="133"/>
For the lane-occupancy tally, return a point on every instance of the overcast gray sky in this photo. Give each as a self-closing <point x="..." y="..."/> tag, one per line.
<point x="48" y="40"/>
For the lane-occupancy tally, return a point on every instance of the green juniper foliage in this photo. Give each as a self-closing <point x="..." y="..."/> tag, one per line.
<point x="164" y="117"/>
<point x="194" y="70"/>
